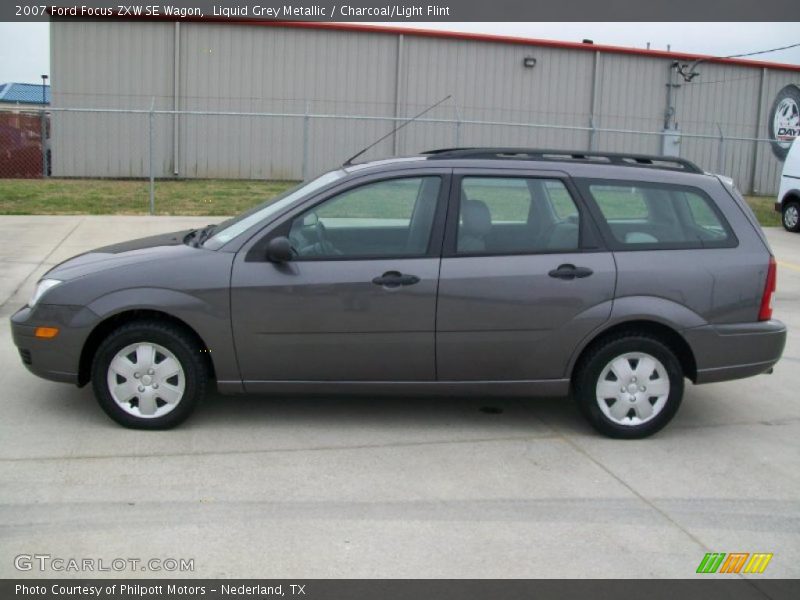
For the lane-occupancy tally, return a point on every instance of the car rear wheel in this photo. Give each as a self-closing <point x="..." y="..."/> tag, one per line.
<point x="629" y="386"/>
<point x="791" y="216"/>
<point x="148" y="375"/>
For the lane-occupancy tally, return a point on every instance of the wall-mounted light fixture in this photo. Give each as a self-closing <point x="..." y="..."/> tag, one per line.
<point x="529" y="62"/>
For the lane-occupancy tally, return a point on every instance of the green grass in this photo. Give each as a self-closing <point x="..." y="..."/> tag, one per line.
<point x="195" y="197"/>
<point x="215" y="197"/>
<point x="763" y="207"/>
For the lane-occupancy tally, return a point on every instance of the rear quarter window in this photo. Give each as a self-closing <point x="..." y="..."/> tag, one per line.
<point x="620" y="203"/>
<point x="639" y="216"/>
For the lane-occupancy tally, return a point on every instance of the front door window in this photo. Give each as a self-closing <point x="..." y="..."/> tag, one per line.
<point x="385" y="219"/>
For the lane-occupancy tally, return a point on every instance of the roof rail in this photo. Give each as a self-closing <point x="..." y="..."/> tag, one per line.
<point x="612" y="158"/>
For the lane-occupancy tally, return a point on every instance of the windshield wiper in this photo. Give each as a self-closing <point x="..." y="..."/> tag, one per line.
<point x="190" y="236"/>
<point x="204" y="234"/>
<point x="196" y="237"/>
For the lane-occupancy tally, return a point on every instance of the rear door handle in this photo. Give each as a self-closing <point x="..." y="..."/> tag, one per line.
<point x="568" y="271"/>
<point x="395" y="279"/>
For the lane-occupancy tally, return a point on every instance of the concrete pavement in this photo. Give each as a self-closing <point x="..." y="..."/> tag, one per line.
<point x="302" y="488"/>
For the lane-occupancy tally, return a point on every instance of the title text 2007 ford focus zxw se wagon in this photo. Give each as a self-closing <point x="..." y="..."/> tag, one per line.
<point x="465" y="271"/>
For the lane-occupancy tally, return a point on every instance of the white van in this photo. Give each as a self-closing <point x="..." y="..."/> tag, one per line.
<point x="788" y="203"/>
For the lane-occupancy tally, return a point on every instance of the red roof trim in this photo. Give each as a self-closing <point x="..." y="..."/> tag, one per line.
<point x="478" y="37"/>
<point x="505" y="39"/>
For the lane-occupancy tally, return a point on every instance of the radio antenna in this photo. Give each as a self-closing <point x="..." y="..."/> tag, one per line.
<point x="350" y="160"/>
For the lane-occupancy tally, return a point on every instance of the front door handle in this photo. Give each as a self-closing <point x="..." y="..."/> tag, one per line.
<point x="395" y="279"/>
<point x="568" y="271"/>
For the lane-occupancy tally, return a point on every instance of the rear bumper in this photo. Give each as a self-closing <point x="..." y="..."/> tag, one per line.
<point x="778" y="207"/>
<point x="724" y="352"/>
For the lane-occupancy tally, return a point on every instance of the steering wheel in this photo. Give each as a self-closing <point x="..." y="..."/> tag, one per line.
<point x="325" y="245"/>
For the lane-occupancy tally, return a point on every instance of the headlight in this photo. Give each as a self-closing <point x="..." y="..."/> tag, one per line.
<point x="41" y="289"/>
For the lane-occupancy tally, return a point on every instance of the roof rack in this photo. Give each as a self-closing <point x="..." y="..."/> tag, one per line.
<point x="611" y="158"/>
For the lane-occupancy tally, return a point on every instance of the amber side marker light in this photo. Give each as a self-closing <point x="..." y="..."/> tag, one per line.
<point x="46" y="332"/>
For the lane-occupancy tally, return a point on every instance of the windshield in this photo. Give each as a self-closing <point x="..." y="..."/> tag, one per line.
<point x="227" y="230"/>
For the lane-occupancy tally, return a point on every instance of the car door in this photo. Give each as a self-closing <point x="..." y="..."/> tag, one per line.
<point x="523" y="277"/>
<point x="358" y="300"/>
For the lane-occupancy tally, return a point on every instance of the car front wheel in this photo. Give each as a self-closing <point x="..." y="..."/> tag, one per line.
<point x="791" y="217"/>
<point x="629" y="386"/>
<point x="148" y="375"/>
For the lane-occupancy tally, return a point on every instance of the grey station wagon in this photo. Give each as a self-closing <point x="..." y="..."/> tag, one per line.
<point x="472" y="271"/>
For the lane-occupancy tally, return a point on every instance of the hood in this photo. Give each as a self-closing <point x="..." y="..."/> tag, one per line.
<point x="166" y="246"/>
<point x="163" y="239"/>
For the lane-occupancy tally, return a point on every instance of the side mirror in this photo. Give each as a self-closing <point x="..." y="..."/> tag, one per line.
<point x="279" y="250"/>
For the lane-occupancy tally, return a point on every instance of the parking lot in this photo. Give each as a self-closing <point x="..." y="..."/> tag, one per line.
<point x="301" y="488"/>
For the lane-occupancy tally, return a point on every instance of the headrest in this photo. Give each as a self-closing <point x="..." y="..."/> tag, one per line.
<point x="477" y="220"/>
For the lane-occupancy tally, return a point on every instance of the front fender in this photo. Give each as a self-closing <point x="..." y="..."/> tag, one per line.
<point x="207" y="314"/>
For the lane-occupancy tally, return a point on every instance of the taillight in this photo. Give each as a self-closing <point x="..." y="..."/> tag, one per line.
<point x="765" y="313"/>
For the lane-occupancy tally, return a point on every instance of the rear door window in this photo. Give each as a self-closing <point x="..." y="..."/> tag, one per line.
<point x="640" y="215"/>
<point x="516" y="215"/>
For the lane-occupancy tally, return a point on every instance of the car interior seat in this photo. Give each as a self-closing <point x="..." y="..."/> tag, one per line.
<point x="422" y="217"/>
<point x="476" y="224"/>
<point x="639" y="237"/>
<point x="563" y="236"/>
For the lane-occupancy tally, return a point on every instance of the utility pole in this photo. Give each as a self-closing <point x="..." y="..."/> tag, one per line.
<point x="43" y="126"/>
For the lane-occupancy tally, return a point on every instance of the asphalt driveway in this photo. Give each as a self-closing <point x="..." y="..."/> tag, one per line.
<point x="301" y="488"/>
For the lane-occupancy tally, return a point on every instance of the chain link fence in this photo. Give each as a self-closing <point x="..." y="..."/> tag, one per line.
<point x="24" y="148"/>
<point x="154" y="144"/>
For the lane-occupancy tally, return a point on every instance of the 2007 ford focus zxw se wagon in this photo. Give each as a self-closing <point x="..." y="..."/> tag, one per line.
<point x="461" y="272"/>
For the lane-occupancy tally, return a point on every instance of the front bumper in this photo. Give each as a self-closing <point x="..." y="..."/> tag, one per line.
<point x="724" y="352"/>
<point x="57" y="359"/>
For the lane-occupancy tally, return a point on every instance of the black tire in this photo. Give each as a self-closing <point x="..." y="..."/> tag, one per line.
<point x="176" y="341"/>
<point x="599" y="356"/>
<point x="787" y="205"/>
<point x="792" y="92"/>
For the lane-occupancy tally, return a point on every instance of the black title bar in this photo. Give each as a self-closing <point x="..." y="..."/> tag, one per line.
<point x="432" y="10"/>
<point x="705" y="587"/>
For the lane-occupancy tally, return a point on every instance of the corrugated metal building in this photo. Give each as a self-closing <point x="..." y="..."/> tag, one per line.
<point x="360" y="70"/>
